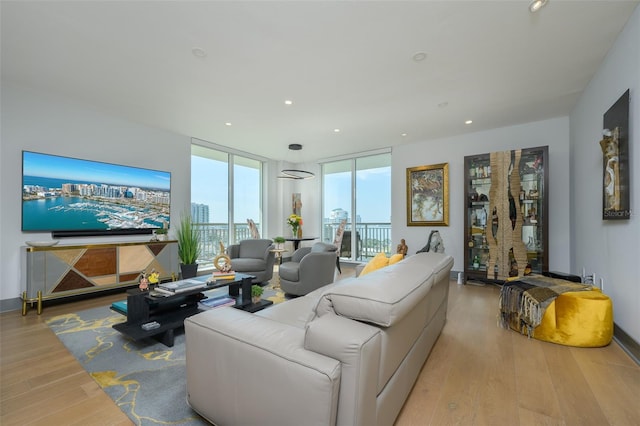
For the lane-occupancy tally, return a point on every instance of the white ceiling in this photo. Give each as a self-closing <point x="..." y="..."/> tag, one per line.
<point x="345" y="64"/>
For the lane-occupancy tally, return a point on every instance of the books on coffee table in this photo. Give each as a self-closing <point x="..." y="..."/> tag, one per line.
<point x="217" y="275"/>
<point x="216" y="302"/>
<point x="120" y="307"/>
<point x="181" y="286"/>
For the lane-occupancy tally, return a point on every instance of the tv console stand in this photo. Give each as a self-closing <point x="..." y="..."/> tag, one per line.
<point x="70" y="270"/>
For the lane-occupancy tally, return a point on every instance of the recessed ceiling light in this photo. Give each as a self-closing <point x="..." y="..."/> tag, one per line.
<point x="468" y="122"/>
<point x="198" y="52"/>
<point x="227" y="124"/>
<point x="419" y="56"/>
<point x="403" y="134"/>
<point x="336" y="130"/>
<point x="288" y="102"/>
<point x="536" y="5"/>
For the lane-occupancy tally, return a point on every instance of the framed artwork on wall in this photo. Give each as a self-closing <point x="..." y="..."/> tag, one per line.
<point x="615" y="161"/>
<point x="428" y="195"/>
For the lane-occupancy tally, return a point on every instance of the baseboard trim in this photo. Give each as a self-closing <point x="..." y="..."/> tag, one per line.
<point x="15" y="304"/>
<point x="626" y="342"/>
<point x="8" y="305"/>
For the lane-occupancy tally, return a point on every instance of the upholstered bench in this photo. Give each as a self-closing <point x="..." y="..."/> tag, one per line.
<point x="578" y="318"/>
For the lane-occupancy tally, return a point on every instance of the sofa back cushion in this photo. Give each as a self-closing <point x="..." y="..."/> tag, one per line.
<point x="322" y="247"/>
<point x="254" y="248"/>
<point x="387" y="295"/>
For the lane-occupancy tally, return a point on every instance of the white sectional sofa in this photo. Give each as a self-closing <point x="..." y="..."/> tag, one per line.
<point x="345" y="354"/>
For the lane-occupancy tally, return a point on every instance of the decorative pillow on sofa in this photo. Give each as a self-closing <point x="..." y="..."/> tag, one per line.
<point x="380" y="260"/>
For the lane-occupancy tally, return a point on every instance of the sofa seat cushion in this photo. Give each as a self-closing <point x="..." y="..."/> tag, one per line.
<point x="245" y="264"/>
<point x="385" y="296"/>
<point x="290" y="271"/>
<point x="298" y="311"/>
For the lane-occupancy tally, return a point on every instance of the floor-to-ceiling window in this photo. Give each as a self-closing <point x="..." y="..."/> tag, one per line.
<point x="359" y="190"/>
<point x="247" y="196"/>
<point x="225" y="192"/>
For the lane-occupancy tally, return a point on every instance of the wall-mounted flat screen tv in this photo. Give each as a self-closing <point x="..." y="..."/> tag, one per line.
<point x="74" y="197"/>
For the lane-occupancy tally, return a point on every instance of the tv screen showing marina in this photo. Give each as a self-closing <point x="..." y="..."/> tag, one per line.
<point x="70" y="194"/>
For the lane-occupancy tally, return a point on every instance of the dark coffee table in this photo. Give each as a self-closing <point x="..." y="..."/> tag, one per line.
<point x="170" y="311"/>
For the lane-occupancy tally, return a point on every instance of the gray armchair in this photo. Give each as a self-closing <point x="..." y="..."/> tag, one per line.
<point x="310" y="268"/>
<point x="253" y="257"/>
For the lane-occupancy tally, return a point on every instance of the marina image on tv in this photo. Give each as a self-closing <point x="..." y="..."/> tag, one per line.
<point x="61" y="194"/>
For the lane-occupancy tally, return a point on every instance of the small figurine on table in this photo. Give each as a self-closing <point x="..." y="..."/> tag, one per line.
<point x="222" y="262"/>
<point x="154" y="277"/>
<point x="144" y="283"/>
<point x="402" y="248"/>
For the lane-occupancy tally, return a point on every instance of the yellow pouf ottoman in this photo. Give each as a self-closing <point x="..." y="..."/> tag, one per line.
<point x="578" y="318"/>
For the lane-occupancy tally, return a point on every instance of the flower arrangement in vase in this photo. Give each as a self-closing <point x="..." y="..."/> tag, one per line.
<point x="295" y="222"/>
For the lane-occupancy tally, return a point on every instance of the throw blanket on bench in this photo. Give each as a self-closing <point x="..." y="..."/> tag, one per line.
<point x="523" y="302"/>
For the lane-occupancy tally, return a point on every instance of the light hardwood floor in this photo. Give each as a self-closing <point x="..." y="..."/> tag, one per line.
<point x="481" y="374"/>
<point x="477" y="374"/>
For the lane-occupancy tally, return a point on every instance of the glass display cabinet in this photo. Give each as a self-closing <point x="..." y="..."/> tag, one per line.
<point x="506" y="218"/>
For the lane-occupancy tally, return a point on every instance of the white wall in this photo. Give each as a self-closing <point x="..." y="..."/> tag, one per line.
<point x="33" y="120"/>
<point x="611" y="249"/>
<point x="280" y="202"/>
<point x="310" y="190"/>
<point x="452" y="150"/>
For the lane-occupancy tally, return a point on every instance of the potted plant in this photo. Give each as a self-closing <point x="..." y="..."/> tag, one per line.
<point x="279" y="241"/>
<point x="162" y="234"/>
<point x="256" y="293"/>
<point x="188" y="247"/>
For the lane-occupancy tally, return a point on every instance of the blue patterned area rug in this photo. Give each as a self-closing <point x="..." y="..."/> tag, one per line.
<point x="146" y="379"/>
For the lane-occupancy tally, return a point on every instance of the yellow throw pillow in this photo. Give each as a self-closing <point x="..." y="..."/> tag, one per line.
<point x="395" y="258"/>
<point x="379" y="261"/>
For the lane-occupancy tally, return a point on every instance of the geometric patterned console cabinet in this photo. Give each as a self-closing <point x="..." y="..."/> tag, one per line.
<point x="62" y="271"/>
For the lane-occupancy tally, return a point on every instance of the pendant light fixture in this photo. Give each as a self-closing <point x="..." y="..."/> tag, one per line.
<point x="295" y="174"/>
<point x="536" y="5"/>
